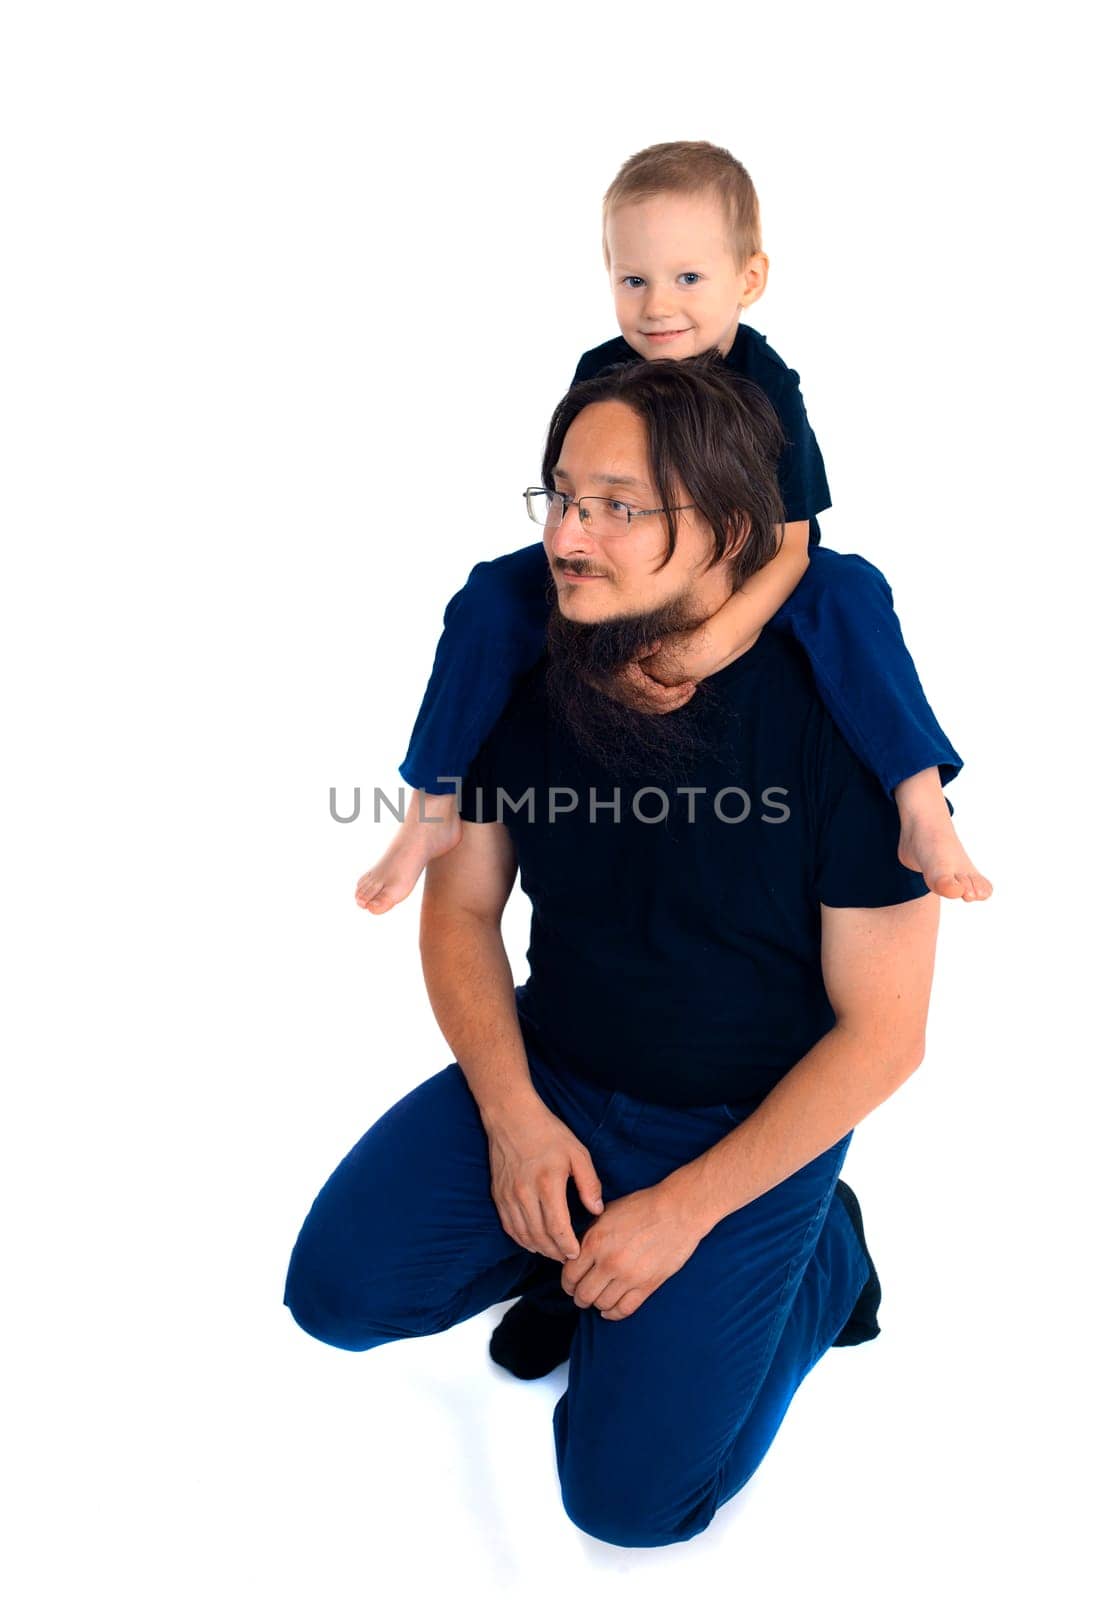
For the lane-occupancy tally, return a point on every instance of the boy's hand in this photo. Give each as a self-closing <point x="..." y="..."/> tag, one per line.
<point x="647" y="693"/>
<point x="667" y="674"/>
<point x="695" y="653"/>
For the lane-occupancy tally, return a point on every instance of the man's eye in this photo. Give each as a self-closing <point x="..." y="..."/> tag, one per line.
<point x="617" y="507"/>
<point x="632" y="280"/>
<point x="692" y="276"/>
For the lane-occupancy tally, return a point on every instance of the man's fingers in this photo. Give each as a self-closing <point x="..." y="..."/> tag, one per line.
<point x="521" y="1233"/>
<point x="587" y="1182"/>
<point x="557" y="1222"/>
<point x="536" y="1229"/>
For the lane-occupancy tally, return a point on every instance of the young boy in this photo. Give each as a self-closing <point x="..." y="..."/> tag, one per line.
<point x="682" y="246"/>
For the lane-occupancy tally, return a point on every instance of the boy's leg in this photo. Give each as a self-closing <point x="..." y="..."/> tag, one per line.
<point x="843" y="616"/>
<point x="494" y="629"/>
<point x="669" y="1411"/>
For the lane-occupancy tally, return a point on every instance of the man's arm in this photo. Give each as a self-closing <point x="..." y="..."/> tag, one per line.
<point x="466" y="970"/>
<point x="878" y="968"/>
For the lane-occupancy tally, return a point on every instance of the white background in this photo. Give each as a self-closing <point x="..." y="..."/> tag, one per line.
<point x="290" y="293"/>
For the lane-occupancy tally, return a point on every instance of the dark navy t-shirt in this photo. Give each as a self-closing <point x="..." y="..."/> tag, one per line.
<point x="802" y="473"/>
<point x="679" y="960"/>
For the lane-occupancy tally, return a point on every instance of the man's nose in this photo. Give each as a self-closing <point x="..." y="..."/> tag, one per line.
<point x="570" y="538"/>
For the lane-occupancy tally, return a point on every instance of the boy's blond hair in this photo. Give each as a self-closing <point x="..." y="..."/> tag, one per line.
<point x="690" y="166"/>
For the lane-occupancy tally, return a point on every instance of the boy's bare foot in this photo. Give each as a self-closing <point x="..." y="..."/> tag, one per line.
<point x="414" y="845"/>
<point x="928" y="841"/>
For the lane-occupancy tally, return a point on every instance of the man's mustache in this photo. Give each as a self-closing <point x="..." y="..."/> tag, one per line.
<point x="576" y="565"/>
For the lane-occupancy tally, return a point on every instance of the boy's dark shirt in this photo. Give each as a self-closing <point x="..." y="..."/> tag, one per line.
<point x="802" y="473"/>
<point x="680" y="961"/>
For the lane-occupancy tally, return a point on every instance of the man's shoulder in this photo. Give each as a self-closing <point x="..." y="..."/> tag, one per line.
<point x="773" y="691"/>
<point x="527" y="703"/>
<point x="779" y="659"/>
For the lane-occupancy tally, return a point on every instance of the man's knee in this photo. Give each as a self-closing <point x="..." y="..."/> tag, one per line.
<point x="318" y="1304"/>
<point x="338" y="1306"/>
<point x="621" y="1520"/>
<point x="625" y="1501"/>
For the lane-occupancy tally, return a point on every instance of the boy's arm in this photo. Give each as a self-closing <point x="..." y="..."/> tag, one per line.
<point x="734" y="626"/>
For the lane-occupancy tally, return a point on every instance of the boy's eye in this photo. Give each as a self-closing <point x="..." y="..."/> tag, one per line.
<point x="690" y="276"/>
<point x="632" y="281"/>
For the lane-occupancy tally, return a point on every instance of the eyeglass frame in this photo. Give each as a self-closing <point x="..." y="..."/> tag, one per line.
<point x="568" y="502"/>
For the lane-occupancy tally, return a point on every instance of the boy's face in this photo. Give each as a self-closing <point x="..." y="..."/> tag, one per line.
<point x="676" y="285"/>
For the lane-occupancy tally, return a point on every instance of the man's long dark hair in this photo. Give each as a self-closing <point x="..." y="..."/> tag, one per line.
<point x="711" y="432"/>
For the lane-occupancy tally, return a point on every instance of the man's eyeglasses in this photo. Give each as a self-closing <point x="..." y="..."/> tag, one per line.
<point x="598" y="514"/>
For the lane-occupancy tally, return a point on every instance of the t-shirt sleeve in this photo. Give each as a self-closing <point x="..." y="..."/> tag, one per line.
<point x="802" y="472"/>
<point x="856" y="831"/>
<point x="477" y="794"/>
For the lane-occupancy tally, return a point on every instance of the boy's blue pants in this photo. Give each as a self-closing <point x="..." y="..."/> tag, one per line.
<point x="668" y="1411"/>
<point x="841" y="613"/>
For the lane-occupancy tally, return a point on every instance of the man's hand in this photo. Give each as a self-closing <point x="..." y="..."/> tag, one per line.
<point x="640" y="1241"/>
<point x="532" y="1155"/>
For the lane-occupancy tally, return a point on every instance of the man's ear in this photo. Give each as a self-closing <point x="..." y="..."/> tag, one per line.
<point x="738" y="533"/>
<point x="752" y="280"/>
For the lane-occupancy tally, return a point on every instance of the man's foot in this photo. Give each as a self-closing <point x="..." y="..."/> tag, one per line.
<point x="416" y="843"/>
<point x="862" y="1325"/>
<point x="530" y="1341"/>
<point x="928" y="841"/>
<point x="536" y="1333"/>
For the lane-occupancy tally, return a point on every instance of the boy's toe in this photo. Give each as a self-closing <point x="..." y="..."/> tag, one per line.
<point x="976" y="886"/>
<point x="948" y="885"/>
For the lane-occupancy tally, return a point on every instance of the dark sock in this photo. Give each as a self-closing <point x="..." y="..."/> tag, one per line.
<point x="862" y="1325"/>
<point x="536" y="1333"/>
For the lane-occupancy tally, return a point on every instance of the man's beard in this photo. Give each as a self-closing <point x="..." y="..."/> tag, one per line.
<point x="602" y="714"/>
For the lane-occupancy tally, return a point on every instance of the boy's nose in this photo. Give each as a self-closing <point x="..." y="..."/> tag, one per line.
<point x="657" y="305"/>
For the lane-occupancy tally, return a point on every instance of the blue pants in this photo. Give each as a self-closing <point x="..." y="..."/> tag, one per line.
<point x="668" y="1411"/>
<point x="841" y="614"/>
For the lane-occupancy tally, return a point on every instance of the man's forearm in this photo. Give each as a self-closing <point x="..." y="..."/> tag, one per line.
<point x="470" y="988"/>
<point x="833" y="1088"/>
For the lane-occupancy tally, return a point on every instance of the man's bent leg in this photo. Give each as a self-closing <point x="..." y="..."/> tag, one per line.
<point x="404" y="1239"/>
<point x="669" y="1411"/>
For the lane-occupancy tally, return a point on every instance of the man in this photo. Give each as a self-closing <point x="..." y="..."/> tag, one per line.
<point x="729" y="969"/>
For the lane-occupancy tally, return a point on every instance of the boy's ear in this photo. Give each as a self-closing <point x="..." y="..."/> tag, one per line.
<point x="752" y="280"/>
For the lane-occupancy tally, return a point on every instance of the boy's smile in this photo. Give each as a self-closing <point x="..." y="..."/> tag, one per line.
<point x="677" y="288"/>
